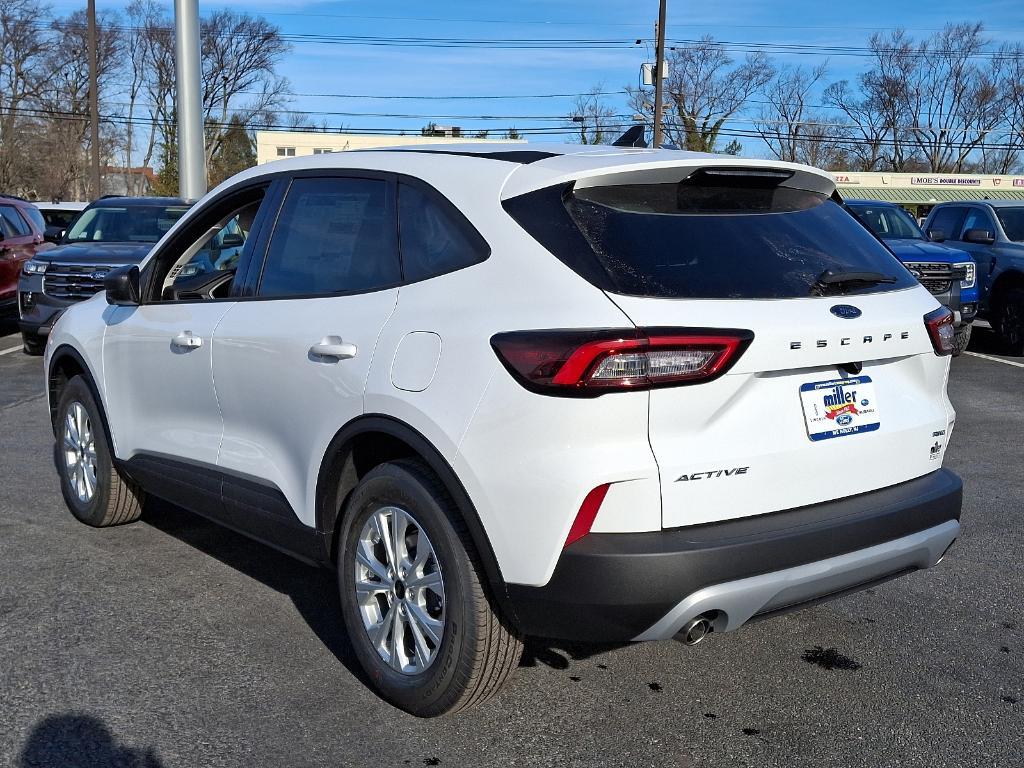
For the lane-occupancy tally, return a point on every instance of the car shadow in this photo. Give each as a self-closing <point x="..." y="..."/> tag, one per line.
<point x="312" y="590"/>
<point x="8" y="324"/>
<point x="77" y="739"/>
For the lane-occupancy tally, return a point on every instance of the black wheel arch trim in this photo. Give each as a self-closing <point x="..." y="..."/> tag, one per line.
<point x="68" y="351"/>
<point x="328" y="513"/>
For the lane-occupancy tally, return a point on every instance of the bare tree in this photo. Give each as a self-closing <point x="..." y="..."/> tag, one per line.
<point x="787" y="110"/>
<point x="22" y="50"/>
<point x="953" y="102"/>
<point x="239" y="56"/>
<point x="705" y="88"/>
<point x="593" y="120"/>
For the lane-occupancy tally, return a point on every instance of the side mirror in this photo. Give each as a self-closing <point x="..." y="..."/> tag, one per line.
<point x="936" y="235"/>
<point x="232" y="240"/>
<point x="122" y="286"/>
<point x="53" y="234"/>
<point x="979" y="236"/>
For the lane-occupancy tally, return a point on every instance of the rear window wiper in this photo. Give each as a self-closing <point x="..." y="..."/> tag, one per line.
<point x="834" y="282"/>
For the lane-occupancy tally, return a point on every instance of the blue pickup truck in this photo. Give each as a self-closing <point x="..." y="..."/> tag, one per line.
<point x="992" y="231"/>
<point x="948" y="273"/>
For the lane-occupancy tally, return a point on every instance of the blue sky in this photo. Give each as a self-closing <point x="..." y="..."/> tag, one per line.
<point x="318" y="68"/>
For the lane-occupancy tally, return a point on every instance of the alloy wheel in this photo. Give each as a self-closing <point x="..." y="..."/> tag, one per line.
<point x="79" y="448"/>
<point x="399" y="590"/>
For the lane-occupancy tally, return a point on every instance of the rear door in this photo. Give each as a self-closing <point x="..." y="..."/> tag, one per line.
<point x="291" y="361"/>
<point x="839" y="392"/>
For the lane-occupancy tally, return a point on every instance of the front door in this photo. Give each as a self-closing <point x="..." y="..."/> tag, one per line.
<point x="291" y="362"/>
<point x="158" y="357"/>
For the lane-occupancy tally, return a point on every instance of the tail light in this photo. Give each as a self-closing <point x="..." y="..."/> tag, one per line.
<point x="593" y="362"/>
<point x="940" y="327"/>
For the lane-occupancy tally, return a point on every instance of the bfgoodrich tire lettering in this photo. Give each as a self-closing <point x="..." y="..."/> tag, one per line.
<point x="95" y="492"/>
<point x="478" y="649"/>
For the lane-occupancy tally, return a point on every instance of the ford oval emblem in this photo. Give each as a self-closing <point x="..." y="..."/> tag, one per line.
<point x="99" y="274"/>
<point x="845" y="311"/>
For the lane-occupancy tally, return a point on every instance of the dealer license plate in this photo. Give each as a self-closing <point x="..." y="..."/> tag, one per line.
<point x="839" y="407"/>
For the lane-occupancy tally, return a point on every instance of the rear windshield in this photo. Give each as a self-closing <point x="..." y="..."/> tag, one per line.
<point x="743" y="239"/>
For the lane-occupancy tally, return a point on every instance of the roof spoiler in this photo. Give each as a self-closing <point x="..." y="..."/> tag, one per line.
<point x="634" y="137"/>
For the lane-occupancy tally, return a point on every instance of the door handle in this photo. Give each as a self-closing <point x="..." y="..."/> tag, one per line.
<point x="333" y="346"/>
<point x="186" y="340"/>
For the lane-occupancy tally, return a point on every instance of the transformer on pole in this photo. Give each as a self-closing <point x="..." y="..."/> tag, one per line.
<point x="189" y="103"/>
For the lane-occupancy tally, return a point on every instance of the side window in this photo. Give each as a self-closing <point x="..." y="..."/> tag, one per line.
<point x="36" y="217"/>
<point x="948" y="220"/>
<point x="333" y="235"/>
<point x="205" y="269"/>
<point x="435" y="238"/>
<point x="13" y="225"/>
<point x="977" y="218"/>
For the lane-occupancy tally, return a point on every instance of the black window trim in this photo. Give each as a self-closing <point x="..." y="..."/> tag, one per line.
<point x="244" y="288"/>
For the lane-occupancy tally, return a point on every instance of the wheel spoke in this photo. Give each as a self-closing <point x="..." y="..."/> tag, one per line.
<point x="423" y="652"/>
<point x="431" y="627"/>
<point x="382" y="526"/>
<point x="79" y="425"/>
<point x="399" y="524"/>
<point x="89" y="480"/>
<point x="367" y="588"/>
<point x="379" y="632"/>
<point x="431" y="581"/>
<point x="72" y="428"/>
<point x="371" y="563"/>
<point x="397" y="639"/>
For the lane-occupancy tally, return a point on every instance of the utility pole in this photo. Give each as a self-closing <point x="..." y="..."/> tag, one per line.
<point x="94" y="113"/>
<point x="188" y="97"/>
<point x="659" y="68"/>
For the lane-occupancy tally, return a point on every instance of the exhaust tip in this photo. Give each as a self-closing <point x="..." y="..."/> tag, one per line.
<point x="695" y="630"/>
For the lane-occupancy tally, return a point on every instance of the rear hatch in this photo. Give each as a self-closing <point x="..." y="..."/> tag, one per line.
<point x="840" y="391"/>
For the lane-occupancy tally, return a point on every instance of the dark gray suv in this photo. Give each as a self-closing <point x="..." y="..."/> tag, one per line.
<point x="111" y="232"/>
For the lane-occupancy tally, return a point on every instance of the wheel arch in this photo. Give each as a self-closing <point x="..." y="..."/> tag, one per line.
<point x="373" y="439"/>
<point x="1007" y="280"/>
<point x="65" y="363"/>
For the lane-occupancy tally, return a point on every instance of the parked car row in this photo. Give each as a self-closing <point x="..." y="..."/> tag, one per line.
<point x="949" y="274"/>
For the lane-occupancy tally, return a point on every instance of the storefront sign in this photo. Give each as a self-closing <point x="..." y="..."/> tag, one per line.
<point x="952" y="181"/>
<point x="1018" y="182"/>
<point x="842" y="178"/>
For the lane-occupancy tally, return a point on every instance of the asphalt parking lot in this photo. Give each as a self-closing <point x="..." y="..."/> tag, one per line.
<point x="175" y="643"/>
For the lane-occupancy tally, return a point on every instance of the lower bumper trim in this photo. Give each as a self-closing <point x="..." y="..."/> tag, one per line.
<point x="736" y="602"/>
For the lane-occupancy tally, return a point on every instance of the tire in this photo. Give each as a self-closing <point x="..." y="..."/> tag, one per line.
<point x="32" y="345"/>
<point x="961" y="340"/>
<point x="477" y="648"/>
<point x="1008" y="320"/>
<point x="83" y="457"/>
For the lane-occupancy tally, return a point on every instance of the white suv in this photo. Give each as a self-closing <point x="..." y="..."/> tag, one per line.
<point x="583" y="393"/>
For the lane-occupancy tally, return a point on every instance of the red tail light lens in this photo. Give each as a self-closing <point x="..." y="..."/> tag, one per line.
<point x="590" y="363"/>
<point x="940" y="327"/>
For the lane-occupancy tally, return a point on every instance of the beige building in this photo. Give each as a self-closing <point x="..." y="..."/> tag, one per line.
<point x="918" y="192"/>
<point x="275" y="145"/>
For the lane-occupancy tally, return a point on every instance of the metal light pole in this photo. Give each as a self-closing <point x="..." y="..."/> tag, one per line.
<point x="94" y="114"/>
<point x="659" y="68"/>
<point x="191" y="142"/>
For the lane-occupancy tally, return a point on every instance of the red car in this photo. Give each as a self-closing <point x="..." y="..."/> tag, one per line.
<point x="21" y="237"/>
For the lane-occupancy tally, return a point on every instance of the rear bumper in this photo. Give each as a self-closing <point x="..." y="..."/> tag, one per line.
<point x="645" y="586"/>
